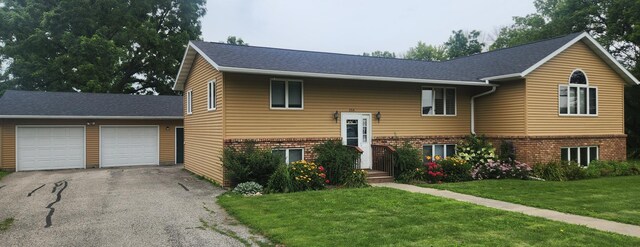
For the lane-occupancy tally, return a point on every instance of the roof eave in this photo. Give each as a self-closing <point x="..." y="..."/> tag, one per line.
<point x="90" y="117"/>
<point x="187" y="63"/>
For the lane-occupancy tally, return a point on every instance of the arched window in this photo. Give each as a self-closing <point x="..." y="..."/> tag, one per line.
<point x="578" y="98"/>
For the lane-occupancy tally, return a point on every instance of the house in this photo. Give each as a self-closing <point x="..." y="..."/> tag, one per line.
<point x="47" y="130"/>
<point x="555" y="99"/>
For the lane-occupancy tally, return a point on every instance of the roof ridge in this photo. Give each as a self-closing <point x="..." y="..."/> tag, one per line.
<point x="321" y="52"/>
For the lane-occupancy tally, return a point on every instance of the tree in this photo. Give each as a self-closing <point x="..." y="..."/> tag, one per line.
<point x="233" y="40"/>
<point x="386" y="54"/>
<point x="426" y="52"/>
<point x="96" y="46"/>
<point x="614" y="23"/>
<point x="462" y="44"/>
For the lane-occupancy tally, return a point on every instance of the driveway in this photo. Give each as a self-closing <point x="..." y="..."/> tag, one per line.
<point x="145" y="206"/>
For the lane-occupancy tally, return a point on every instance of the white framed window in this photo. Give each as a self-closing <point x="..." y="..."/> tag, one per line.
<point x="290" y="154"/>
<point x="438" y="101"/>
<point x="430" y="151"/>
<point x="577" y="98"/>
<point x="211" y="95"/>
<point x="286" y="94"/>
<point x="580" y="155"/>
<point x="189" y="99"/>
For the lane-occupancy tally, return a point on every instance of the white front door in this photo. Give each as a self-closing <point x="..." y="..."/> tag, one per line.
<point x="356" y="131"/>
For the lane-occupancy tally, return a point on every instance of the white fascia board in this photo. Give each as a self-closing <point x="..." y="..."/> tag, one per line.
<point x="503" y="77"/>
<point x="553" y="54"/>
<point x="625" y="73"/>
<point x="350" y="77"/>
<point x="191" y="48"/>
<point x="89" y="117"/>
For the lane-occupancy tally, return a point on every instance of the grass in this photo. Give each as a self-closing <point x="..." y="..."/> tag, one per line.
<point x="6" y="224"/>
<point x="3" y="173"/>
<point x="388" y="217"/>
<point x="612" y="198"/>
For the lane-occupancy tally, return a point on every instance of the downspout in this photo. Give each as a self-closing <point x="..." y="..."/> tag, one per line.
<point x="473" y="106"/>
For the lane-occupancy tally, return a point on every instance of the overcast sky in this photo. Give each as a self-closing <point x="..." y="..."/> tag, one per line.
<point x="355" y="26"/>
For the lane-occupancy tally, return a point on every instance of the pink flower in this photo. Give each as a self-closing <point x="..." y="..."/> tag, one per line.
<point x="327" y="181"/>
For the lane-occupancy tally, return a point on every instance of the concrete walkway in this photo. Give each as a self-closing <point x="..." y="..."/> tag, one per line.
<point x="600" y="224"/>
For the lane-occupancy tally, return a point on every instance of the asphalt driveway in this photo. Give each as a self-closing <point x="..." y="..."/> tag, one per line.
<point x="145" y="206"/>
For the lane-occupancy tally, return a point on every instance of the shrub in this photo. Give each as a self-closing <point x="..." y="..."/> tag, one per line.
<point x="475" y="150"/>
<point x="307" y="176"/>
<point x="357" y="179"/>
<point x="499" y="169"/>
<point x="248" y="189"/>
<point x="408" y="159"/>
<point x="433" y="173"/>
<point x="612" y="168"/>
<point x="560" y="171"/>
<point x="507" y="151"/>
<point x="280" y="181"/>
<point x="455" y="169"/>
<point x="250" y="164"/>
<point x="337" y="159"/>
<point x="409" y="176"/>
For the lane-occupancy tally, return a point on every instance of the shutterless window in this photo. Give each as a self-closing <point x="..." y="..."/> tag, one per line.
<point x="580" y="155"/>
<point x="438" y="101"/>
<point x="286" y="94"/>
<point x="430" y="151"/>
<point x="578" y="98"/>
<point x="211" y="95"/>
<point x="189" y="96"/>
<point x="290" y="154"/>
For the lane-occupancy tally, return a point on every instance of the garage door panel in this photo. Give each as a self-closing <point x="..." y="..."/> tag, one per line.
<point x="48" y="148"/>
<point x="129" y="146"/>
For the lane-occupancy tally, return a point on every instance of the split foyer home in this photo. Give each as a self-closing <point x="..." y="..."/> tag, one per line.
<point x="555" y="99"/>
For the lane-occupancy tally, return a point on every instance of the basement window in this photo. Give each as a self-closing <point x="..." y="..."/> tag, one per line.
<point x="580" y="155"/>
<point x="431" y="152"/>
<point x="290" y="154"/>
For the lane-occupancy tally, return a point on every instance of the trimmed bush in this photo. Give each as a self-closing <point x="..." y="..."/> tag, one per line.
<point x="250" y="164"/>
<point x="560" y="171"/>
<point x="357" y="179"/>
<point x="248" y="189"/>
<point x="612" y="168"/>
<point x="337" y="159"/>
<point x="408" y="160"/>
<point x="280" y="181"/>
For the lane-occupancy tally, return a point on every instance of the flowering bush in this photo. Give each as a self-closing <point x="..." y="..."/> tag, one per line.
<point x="248" y="189"/>
<point x="499" y="169"/>
<point x="307" y="176"/>
<point x="433" y="173"/>
<point x="357" y="179"/>
<point x="455" y="169"/>
<point x="476" y="150"/>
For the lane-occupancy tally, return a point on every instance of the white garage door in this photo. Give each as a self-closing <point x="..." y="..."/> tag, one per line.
<point x="48" y="148"/>
<point x="128" y="146"/>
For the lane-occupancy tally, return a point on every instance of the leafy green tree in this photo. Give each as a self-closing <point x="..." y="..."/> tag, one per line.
<point x="233" y="40"/>
<point x="462" y="44"/>
<point x="426" y="52"/>
<point x="614" y="23"/>
<point x="96" y="46"/>
<point x="386" y="54"/>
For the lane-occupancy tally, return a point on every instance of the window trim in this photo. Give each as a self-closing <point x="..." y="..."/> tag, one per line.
<point x="286" y="153"/>
<point x="286" y="94"/>
<point x="588" y="154"/>
<point x="455" y="147"/>
<point x="433" y="102"/>
<point x="189" y="102"/>
<point x="587" y="86"/>
<point x="212" y="96"/>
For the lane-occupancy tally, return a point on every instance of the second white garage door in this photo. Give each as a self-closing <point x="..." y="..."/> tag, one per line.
<point x="128" y="146"/>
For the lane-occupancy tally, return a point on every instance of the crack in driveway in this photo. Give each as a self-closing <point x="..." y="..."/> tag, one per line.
<point x="62" y="185"/>
<point x="34" y="191"/>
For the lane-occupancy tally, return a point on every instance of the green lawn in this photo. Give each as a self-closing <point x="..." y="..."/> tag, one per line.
<point x="613" y="198"/>
<point x="389" y="217"/>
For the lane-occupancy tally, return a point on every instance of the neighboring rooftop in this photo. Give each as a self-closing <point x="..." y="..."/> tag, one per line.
<point x="33" y="104"/>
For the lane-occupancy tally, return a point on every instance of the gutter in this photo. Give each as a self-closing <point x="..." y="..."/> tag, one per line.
<point x="473" y="106"/>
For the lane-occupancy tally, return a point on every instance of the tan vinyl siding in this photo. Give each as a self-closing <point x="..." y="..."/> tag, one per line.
<point x="8" y="138"/>
<point x="248" y="113"/>
<point x="203" y="129"/>
<point x="502" y="113"/>
<point x="542" y="95"/>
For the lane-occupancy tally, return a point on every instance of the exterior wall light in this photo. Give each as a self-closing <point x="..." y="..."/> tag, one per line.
<point x="378" y="116"/>
<point x="335" y="116"/>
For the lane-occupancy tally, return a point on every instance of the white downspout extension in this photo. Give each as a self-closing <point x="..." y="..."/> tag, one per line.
<point x="473" y="106"/>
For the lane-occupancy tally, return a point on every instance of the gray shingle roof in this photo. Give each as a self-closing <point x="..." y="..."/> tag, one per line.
<point x="472" y="68"/>
<point x="67" y="104"/>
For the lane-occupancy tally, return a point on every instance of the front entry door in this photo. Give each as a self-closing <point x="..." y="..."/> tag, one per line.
<point x="179" y="145"/>
<point x="356" y="131"/>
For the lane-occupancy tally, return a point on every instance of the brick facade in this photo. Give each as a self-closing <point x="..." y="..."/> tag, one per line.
<point x="281" y="143"/>
<point x="541" y="149"/>
<point x="416" y="141"/>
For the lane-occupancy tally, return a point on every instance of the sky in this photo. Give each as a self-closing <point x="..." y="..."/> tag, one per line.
<point x="355" y="26"/>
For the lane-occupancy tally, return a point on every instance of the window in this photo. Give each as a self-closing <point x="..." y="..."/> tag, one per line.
<point x="286" y="94"/>
<point x="578" y="98"/>
<point x="211" y="95"/>
<point x="290" y="154"/>
<point x="189" y="96"/>
<point x="580" y="155"/>
<point x="430" y="151"/>
<point x="438" y="101"/>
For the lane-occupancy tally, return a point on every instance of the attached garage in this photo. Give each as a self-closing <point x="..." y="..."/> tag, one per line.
<point x="49" y="147"/>
<point x="51" y="130"/>
<point x="129" y="146"/>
